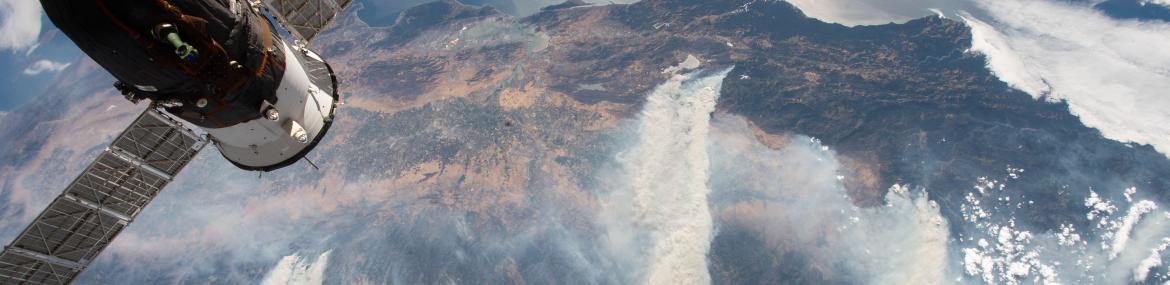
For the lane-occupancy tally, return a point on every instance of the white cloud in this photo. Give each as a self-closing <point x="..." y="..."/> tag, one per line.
<point x="1165" y="3"/>
<point x="44" y="65"/>
<point x="1003" y="61"/>
<point x="1135" y="214"/>
<point x="20" y="24"/>
<point x="1142" y="272"/>
<point x="295" y="269"/>
<point x="872" y="12"/>
<point x="1117" y="247"/>
<point x="1114" y="74"/>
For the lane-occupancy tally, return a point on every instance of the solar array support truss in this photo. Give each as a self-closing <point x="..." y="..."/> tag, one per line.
<point x="100" y="202"/>
<point x="306" y="18"/>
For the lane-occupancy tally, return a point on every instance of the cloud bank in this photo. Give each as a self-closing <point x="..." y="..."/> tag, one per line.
<point x="1165" y="3"/>
<point x="1115" y="75"/>
<point x="869" y="12"/>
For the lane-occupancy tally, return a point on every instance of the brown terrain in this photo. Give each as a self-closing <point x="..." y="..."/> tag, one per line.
<point x="469" y="139"/>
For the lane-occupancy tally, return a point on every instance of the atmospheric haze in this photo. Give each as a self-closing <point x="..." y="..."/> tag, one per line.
<point x="793" y="194"/>
<point x="659" y="218"/>
<point x="684" y="174"/>
<point x="676" y="197"/>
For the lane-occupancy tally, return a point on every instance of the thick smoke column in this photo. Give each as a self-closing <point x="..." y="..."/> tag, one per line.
<point x="659" y="218"/>
<point x="663" y="206"/>
<point x="669" y="178"/>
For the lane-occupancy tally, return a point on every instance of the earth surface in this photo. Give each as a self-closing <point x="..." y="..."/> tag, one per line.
<point x="662" y="142"/>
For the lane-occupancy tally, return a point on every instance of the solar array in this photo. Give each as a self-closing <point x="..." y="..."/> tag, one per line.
<point x="305" y="18"/>
<point x="99" y="203"/>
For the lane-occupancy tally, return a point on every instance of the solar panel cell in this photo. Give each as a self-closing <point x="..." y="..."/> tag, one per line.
<point x="306" y="18"/>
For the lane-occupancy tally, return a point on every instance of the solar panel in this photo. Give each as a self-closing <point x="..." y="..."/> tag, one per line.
<point x="306" y="18"/>
<point x="100" y="202"/>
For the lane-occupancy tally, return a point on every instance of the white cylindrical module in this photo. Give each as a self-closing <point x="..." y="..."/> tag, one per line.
<point x="304" y="109"/>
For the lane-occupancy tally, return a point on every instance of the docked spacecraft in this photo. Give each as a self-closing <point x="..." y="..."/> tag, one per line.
<point x="220" y="65"/>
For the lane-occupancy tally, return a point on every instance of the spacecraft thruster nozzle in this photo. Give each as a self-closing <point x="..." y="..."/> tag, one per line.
<point x="170" y="34"/>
